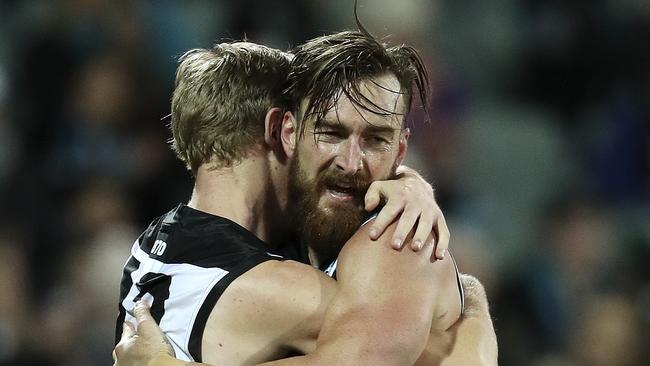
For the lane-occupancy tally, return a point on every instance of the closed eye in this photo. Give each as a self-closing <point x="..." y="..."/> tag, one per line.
<point x="379" y="139"/>
<point x="329" y="135"/>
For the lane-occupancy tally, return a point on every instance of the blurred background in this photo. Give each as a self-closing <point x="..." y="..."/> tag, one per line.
<point x="538" y="147"/>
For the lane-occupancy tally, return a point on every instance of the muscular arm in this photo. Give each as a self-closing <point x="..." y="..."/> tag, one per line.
<point x="280" y="307"/>
<point x="470" y="341"/>
<point x="268" y="313"/>
<point x="385" y="306"/>
<point x="380" y="312"/>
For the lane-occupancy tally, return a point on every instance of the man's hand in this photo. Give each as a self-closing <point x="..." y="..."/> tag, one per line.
<point x="147" y="346"/>
<point x="412" y="197"/>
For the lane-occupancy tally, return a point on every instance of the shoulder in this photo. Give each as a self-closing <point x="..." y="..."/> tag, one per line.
<point x="379" y="271"/>
<point x="360" y="253"/>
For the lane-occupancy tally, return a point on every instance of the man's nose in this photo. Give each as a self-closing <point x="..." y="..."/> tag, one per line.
<point x="350" y="158"/>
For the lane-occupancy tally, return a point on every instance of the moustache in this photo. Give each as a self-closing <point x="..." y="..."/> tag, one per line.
<point x="355" y="184"/>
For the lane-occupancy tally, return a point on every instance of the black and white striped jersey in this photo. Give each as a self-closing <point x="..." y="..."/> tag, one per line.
<point x="180" y="266"/>
<point x="183" y="263"/>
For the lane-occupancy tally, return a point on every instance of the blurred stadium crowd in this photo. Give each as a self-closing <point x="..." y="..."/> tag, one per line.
<point x="539" y="149"/>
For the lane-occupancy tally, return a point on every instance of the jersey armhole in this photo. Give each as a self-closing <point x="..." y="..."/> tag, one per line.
<point x="460" y="285"/>
<point x="198" y="328"/>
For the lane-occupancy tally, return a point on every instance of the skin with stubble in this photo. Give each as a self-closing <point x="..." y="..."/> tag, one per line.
<point x="336" y="160"/>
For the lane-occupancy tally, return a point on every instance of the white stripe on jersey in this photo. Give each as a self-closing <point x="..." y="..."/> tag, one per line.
<point x="189" y="287"/>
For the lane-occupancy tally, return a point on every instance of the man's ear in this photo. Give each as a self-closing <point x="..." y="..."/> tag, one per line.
<point x="272" y="127"/>
<point x="403" y="145"/>
<point x="289" y="134"/>
<point x="273" y="131"/>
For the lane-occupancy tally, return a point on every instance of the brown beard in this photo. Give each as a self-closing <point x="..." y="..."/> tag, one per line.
<point x="325" y="230"/>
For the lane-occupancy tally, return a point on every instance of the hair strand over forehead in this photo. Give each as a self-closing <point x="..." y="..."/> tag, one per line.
<point x="327" y="67"/>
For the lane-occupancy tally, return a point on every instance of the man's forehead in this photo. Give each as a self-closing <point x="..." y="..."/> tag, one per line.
<point x="379" y="101"/>
<point x="356" y="117"/>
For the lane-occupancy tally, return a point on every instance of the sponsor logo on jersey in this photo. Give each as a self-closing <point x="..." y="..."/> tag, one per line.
<point x="159" y="247"/>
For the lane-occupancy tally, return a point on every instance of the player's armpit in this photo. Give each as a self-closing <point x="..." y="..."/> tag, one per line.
<point x="271" y="311"/>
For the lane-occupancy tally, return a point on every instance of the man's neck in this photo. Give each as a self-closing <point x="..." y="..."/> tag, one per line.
<point x="238" y="193"/>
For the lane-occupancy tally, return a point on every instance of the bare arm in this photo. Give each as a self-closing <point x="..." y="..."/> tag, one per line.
<point x="380" y="291"/>
<point x="476" y="341"/>
<point x="472" y="340"/>
<point x="386" y="304"/>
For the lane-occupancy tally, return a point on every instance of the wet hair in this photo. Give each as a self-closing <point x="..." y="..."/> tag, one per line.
<point x="327" y="67"/>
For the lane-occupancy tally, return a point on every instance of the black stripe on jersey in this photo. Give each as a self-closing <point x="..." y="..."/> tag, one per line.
<point x="459" y="283"/>
<point x="156" y="284"/>
<point x="125" y="286"/>
<point x="194" y="344"/>
<point x="153" y="232"/>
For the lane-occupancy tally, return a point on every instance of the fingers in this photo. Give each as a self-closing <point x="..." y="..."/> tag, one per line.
<point x="404" y="225"/>
<point x="146" y="324"/>
<point x="128" y="330"/>
<point x="443" y="235"/>
<point x="385" y="217"/>
<point x="373" y="197"/>
<point x="128" y="333"/>
<point x="425" y="223"/>
<point x="141" y="312"/>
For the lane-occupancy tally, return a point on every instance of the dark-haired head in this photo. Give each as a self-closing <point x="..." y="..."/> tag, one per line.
<point x="327" y="67"/>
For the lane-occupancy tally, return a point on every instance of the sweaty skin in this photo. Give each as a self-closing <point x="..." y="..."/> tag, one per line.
<point x="336" y="322"/>
<point x="279" y="308"/>
<point x="470" y="341"/>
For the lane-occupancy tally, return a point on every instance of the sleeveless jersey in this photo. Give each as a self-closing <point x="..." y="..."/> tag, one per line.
<point x="183" y="263"/>
<point x="180" y="266"/>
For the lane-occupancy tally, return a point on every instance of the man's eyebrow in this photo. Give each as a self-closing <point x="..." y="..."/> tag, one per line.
<point x="325" y="123"/>
<point x="381" y="129"/>
<point x="335" y="125"/>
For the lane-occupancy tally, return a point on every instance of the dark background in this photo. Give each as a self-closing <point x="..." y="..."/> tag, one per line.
<point x="539" y="149"/>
